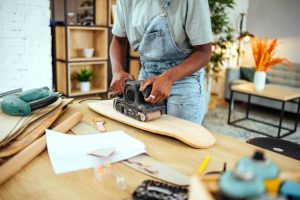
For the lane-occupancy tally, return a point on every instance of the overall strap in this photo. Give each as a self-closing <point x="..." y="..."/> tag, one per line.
<point x="166" y="7"/>
<point x="168" y="3"/>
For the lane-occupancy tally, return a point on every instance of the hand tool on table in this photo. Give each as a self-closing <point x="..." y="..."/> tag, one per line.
<point x="252" y="178"/>
<point x="23" y="103"/>
<point x="248" y="177"/>
<point x="13" y="165"/>
<point x="156" y="190"/>
<point x="133" y="103"/>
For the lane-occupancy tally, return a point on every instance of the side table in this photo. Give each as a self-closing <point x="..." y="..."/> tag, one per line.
<point x="273" y="92"/>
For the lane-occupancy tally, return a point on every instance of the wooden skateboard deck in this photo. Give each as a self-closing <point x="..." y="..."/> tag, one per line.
<point x="188" y="132"/>
<point x="15" y="163"/>
<point x="14" y="125"/>
<point x="33" y="132"/>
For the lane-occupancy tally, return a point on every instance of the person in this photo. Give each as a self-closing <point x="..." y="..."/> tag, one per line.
<point x="173" y="38"/>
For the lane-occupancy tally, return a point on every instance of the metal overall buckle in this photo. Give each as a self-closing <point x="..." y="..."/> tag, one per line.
<point x="165" y="10"/>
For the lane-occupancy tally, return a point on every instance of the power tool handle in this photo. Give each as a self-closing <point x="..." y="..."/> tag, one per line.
<point x="43" y="102"/>
<point x="35" y="94"/>
<point x="147" y="91"/>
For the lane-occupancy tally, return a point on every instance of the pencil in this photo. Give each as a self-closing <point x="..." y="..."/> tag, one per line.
<point x="203" y="164"/>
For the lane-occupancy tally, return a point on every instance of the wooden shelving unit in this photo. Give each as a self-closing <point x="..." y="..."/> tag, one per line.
<point x="70" y="40"/>
<point x="98" y="82"/>
<point x="79" y="38"/>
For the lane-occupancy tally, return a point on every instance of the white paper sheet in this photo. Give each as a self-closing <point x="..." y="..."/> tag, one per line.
<point x="69" y="152"/>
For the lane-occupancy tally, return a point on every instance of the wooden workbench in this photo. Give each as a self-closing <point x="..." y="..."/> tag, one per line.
<point x="38" y="181"/>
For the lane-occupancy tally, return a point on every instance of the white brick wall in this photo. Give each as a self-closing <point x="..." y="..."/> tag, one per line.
<point x="25" y="44"/>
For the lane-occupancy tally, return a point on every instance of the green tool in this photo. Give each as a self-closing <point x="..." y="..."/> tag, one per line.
<point x="23" y="103"/>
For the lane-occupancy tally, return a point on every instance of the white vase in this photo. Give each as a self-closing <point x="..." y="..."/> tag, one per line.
<point x="85" y="86"/>
<point x="259" y="80"/>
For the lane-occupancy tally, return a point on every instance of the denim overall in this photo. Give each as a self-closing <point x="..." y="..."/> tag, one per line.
<point x="159" y="53"/>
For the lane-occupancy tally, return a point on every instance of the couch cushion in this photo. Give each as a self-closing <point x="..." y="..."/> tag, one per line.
<point x="280" y="74"/>
<point x="247" y="73"/>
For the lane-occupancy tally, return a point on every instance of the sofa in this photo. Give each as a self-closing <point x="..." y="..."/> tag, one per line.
<point x="278" y="74"/>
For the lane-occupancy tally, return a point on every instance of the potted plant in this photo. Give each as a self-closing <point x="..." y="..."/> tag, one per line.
<point x="263" y="53"/>
<point x="84" y="76"/>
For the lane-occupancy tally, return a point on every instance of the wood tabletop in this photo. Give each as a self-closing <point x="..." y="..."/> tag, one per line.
<point x="273" y="91"/>
<point x="38" y="181"/>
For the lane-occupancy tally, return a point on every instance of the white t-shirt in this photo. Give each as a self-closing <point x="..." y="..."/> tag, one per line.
<point x="189" y="21"/>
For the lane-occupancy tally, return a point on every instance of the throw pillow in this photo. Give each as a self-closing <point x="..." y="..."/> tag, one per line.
<point x="247" y="73"/>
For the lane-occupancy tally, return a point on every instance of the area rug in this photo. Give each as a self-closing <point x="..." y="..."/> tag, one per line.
<point x="216" y="121"/>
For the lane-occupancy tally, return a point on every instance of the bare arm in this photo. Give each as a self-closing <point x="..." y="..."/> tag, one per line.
<point x="199" y="58"/>
<point x="117" y="53"/>
<point x="162" y="85"/>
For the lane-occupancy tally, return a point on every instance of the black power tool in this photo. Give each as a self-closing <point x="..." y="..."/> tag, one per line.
<point x="133" y="103"/>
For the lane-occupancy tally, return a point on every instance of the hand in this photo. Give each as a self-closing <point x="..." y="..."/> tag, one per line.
<point x="118" y="81"/>
<point x="161" y="88"/>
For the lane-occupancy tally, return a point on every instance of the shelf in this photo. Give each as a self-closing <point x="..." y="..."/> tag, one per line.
<point x="101" y="12"/>
<point x="87" y="37"/>
<point x="80" y="37"/>
<point x="83" y="59"/>
<point x="70" y="40"/>
<point x="110" y="12"/>
<point x="134" y="68"/>
<point x="77" y="92"/>
<point x="65" y="72"/>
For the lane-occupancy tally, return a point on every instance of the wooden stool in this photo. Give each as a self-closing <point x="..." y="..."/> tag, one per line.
<point x="276" y="145"/>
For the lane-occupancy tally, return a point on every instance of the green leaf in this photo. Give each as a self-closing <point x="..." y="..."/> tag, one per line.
<point x="222" y="30"/>
<point x="84" y="75"/>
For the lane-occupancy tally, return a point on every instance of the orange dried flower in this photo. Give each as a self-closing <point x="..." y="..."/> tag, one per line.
<point x="263" y="53"/>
